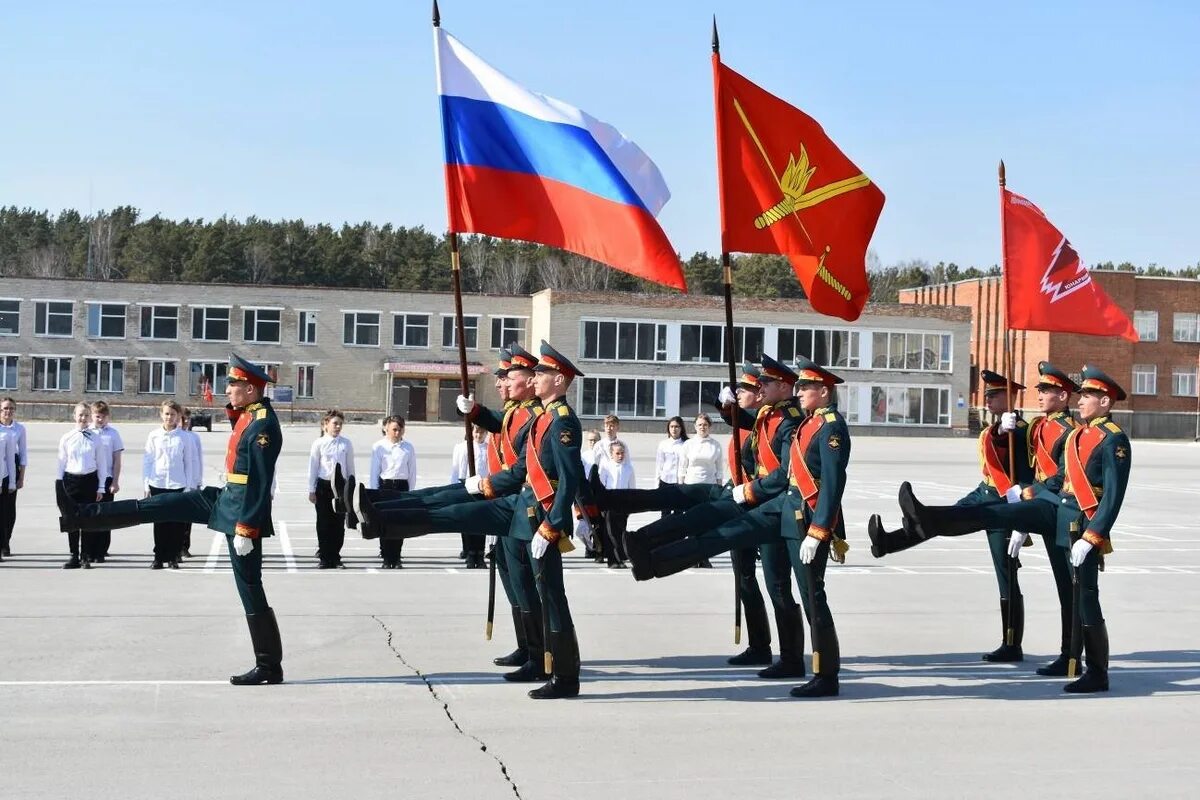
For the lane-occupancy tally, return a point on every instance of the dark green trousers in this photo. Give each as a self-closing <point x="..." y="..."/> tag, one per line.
<point x="667" y="497"/>
<point x="429" y="497"/>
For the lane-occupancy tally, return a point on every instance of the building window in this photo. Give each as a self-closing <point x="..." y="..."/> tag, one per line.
<point x="1146" y="323"/>
<point x="911" y="352"/>
<point x="410" y="330"/>
<point x="261" y="325"/>
<point x="701" y="343"/>
<point x="10" y="317"/>
<point x="212" y="373"/>
<point x="306" y="327"/>
<point x="697" y="397"/>
<point x="53" y="318"/>
<point x="104" y="375"/>
<point x="1183" y="381"/>
<point x="210" y="324"/>
<point x="506" y="330"/>
<point x="156" y="376"/>
<point x="160" y="322"/>
<point x="470" y="331"/>
<point x="306" y="375"/>
<point x="847" y="400"/>
<point x="360" y="328"/>
<point x="1145" y="378"/>
<point x="625" y="397"/>
<point x="8" y="372"/>
<point x="910" y="405"/>
<point x="624" y="341"/>
<point x="829" y="348"/>
<point x="106" y="320"/>
<point x="52" y="373"/>
<point x="1186" y="328"/>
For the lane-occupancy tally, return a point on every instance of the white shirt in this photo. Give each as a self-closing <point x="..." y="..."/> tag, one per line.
<point x="19" y="430"/>
<point x="81" y="452"/>
<point x="458" y="461"/>
<point x="617" y="476"/>
<point x="196" y="453"/>
<point x="666" y="460"/>
<point x="702" y="461"/>
<point x="8" y="455"/>
<point x="167" y="461"/>
<point x="393" y="462"/>
<point x="113" y="440"/>
<point x="326" y="453"/>
<point x="600" y="451"/>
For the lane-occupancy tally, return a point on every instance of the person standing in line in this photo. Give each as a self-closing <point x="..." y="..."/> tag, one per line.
<point x="700" y="462"/>
<point x="616" y="472"/>
<point x="328" y="452"/>
<point x="167" y="469"/>
<point x="592" y="546"/>
<point x="8" y="465"/>
<point x="612" y="428"/>
<point x="393" y="468"/>
<point x="472" y="543"/>
<point x="16" y="480"/>
<point x="196" y="453"/>
<point x="666" y="457"/>
<point x="83" y="471"/>
<point x="101" y="540"/>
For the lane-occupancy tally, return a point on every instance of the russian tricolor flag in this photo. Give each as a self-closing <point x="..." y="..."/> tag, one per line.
<point x="520" y="165"/>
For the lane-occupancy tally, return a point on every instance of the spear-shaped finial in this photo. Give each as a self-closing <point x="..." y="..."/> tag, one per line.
<point x="1001" y="172"/>
<point x="716" y="40"/>
<point x="437" y="16"/>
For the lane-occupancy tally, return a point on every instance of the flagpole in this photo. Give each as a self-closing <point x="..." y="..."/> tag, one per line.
<point x="1009" y="633"/>
<point x="727" y="279"/>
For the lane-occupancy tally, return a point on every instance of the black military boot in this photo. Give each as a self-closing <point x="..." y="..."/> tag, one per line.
<point x="885" y="542"/>
<point x="532" y="668"/>
<point x="827" y="663"/>
<point x="343" y="492"/>
<point x="1009" y="652"/>
<point x="565" y="680"/>
<point x="1058" y="667"/>
<point x="268" y="651"/>
<point x="1095" y="646"/>
<point x="790" y="625"/>
<point x="599" y="490"/>
<point x="751" y="657"/>
<point x="517" y="657"/>
<point x="925" y="522"/>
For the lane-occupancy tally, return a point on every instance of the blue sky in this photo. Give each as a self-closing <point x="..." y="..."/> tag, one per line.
<point x="327" y="111"/>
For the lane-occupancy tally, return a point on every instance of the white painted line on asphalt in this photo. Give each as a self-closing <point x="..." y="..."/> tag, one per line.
<point x="114" y="683"/>
<point x="285" y="544"/>
<point x="214" y="551"/>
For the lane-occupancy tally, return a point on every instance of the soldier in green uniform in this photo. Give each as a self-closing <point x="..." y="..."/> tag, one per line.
<point x="1093" y="473"/>
<point x="241" y="510"/>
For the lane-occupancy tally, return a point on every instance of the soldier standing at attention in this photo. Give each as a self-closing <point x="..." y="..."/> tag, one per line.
<point x="241" y="510"/>
<point x="16" y="478"/>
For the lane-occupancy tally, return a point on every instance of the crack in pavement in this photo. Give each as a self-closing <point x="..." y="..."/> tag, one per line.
<point x="446" y="709"/>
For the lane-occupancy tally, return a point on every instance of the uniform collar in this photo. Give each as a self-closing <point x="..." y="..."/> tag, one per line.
<point x="1098" y="421"/>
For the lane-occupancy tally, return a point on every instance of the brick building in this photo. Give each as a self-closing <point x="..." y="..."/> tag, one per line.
<point x="1159" y="372"/>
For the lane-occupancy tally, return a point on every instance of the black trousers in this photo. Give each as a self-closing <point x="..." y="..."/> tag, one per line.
<point x="389" y="549"/>
<point x="168" y="536"/>
<point x="102" y="540"/>
<point x="331" y="526"/>
<point x="81" y="489"/>
<point x="615" y="523"/>
<point x="8" y="511"/>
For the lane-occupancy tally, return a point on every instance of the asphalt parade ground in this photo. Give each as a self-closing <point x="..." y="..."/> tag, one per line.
<point x="113" y="681"/>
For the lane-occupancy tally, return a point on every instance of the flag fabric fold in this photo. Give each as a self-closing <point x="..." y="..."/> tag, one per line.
<point x="1047" y="287"/>
<point x="786" y="188"/>
<point x="520" y="165"/>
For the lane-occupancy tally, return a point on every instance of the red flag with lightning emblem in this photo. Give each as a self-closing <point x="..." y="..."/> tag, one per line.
<point x="786" y="188"/>
<point x="1048" y="287"/>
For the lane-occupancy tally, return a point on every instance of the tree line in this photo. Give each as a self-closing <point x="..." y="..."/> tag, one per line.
<point x="120" y="245"/>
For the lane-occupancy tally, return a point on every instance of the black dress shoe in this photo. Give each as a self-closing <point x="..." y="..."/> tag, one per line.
<point x="174" y="564"/>
<point x="820" y="686"/>
<point x="157" y="564"/>
<point x="555" y="688"/>
<point x="6" y="552"/>
<point x="325" y="565"/>
<point x="72" y="563"/>
<point x="86" y="562"/>
<point x="783" y="669"/>
<point x="514" y="659"/>
<point x="526" y="673"/>
<point x="257" y="677"/>
<point x="751" y="657"/>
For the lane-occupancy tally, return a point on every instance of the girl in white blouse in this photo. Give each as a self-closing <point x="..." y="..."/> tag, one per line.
<point x="700" y="460"/>
<point x="666" y="458"/>
<point x="83" y="471"/>
<point x="168" y="466"/>
<point x="327" y="452"/>
<point x="393" y="467"/>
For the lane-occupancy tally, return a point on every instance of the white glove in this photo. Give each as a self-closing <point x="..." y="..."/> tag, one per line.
<point x="1013" y="495"/>
<point x="1079" y="552"/>
<point x="465" y="404"/>
<point x="472" y="483"/>
<point x="1008" y="422"/>
<point x="584" y="531"/>
<point x="539" y="545"/>
<point x="726" y="397"/>
<point x="243" y="545"/>
<point x="1015" y="543"/>
<point x="739" y="494"/>
<point x="808" y="549"/>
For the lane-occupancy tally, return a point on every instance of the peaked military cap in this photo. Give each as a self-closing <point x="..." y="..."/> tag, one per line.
<point x="1051" y="377"/>
<point x="749" y="377"/>
<point x="773" y="370"/>
<point x="521" y="358"/>
<point x="1095" y="380"/>
<point x="809" y="371"/>
<point x="554" y="361"/>
<point x="242" y="370"/>
<point x="995" y="382"/>
<point x="505" y="362"/>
